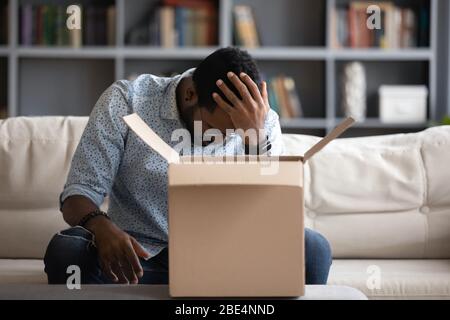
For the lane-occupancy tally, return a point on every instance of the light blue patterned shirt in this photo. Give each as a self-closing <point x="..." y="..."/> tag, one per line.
<point x="111" y="160"/>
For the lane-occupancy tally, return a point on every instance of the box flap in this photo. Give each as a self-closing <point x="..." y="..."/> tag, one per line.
<point x="286" y="173"/>
<point x="336" y="132"/>
<point x="144" y="132"/>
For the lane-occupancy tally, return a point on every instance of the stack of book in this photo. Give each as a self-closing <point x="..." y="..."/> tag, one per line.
<point x="4" y="8"/>
<point x="245" y="30"/>
<point x="284" y="98"/>
<point x="46" y="25"/>
<point x="178" y="23"/>
<point x="401" y="27"/>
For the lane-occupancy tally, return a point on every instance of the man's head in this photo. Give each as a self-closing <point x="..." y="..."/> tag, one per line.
<point x="195" y="94"/>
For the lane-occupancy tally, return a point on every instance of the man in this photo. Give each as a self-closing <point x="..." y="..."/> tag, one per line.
<point x="129" y="243"/>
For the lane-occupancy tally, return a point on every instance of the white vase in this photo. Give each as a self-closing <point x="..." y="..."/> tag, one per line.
<point x="354" y="91"/>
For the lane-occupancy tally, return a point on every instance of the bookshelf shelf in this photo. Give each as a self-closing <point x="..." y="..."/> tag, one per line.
<point x="48" y="52"/>
<point x="304" y="123"/>
<point x="289" y="53"/>
<point x="382" y="54"/>
<point x="297" y="41"/>
<point x="266" y="53"/>
<point x="376" y="123"/>
<point x="165" y="53"/>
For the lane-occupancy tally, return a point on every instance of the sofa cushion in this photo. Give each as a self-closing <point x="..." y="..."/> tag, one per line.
<point x="22" y="271"/>
<point x="372" y="197"/>
<point x="399" y="279"/>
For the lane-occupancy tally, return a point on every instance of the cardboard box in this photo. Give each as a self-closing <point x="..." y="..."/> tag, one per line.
<point x="403" y="104"/>
<point x="235" y="227"/>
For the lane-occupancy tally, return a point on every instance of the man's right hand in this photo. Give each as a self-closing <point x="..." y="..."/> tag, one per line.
<point x="118" y="251"/>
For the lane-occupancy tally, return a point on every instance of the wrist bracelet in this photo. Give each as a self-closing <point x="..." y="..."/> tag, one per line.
<point x="261" y="149"/>
<point x="92" y="215"/>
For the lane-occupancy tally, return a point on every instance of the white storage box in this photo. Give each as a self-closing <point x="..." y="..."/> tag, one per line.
<point x="403" y="104"/>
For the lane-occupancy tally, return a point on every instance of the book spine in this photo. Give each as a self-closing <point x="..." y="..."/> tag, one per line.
<point x="89" y="21"/>
<point x="27" y="25"/>
<point x="167" y="27"/>
<point x="246" y="26"/>
<point x="294" y="100"/>
<point x="282" y="101"/>
<point x="352" y="27"/>
<point x="101" y="26"/>
<point x="39" y="25"/>
<point x="272" y="97"/>
<point x="111" y="25"/>
<point x="180" y="25"/>
<point x="190" y="32"/>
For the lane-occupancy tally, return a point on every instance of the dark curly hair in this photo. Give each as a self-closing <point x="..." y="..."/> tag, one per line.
<point x="215" y="67"/>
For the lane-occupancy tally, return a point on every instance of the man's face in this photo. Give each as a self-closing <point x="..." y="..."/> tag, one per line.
<point x="191" y="111"/>
<point x="216" y="119"/>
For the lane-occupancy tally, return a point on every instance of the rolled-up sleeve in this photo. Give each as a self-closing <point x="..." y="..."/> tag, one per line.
<point x="98" y="155"/>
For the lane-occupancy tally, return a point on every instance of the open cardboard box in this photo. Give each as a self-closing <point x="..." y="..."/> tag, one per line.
<point x="235" y="227"/>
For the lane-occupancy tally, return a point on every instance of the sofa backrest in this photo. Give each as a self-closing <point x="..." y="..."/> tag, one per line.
<point x="35" y="156"/>
<point x="376" y="197"/>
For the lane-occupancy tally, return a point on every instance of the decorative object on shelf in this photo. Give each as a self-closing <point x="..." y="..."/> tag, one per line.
<point x="403" y="104"/>
<point x="354" y="91"/>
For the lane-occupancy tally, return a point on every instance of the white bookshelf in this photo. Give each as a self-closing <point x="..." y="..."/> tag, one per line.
<point x="297" y="41"/>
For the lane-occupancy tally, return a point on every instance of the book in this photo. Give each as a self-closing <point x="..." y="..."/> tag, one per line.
<point x="49" y="24"/>
<point x="168" y="36"/>
<point x="171" y="23"/>
<point x="293" y="98"/>
<point x="111" y="25"/>
<point x="62" y="33"/>
<point x="45" y="25"/>
<point x="4" y="22"/>
<point x="401" y="27"/>
<point x="284" y="97"/>
<point x="246" y="33"/>
<point x="408" y="29"/>
<point x="26" y="15"/>
<point x="201" y="26"/>
<point x="180" y="22"/>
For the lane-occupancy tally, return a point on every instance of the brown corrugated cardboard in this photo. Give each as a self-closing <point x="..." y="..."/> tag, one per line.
<point x="234" y="231"/>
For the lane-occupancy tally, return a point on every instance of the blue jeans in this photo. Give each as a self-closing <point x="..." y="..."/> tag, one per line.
<point x="74" y="246"/>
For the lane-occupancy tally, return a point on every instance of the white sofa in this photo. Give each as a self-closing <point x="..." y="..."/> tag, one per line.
<point x="382" y="202"/>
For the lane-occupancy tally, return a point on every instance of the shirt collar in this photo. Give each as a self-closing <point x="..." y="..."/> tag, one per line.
<point x="169" y="110"/>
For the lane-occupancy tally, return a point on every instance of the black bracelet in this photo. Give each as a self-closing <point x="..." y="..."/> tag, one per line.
<point x="91" y="215"/>
<point x="261" y="149"/>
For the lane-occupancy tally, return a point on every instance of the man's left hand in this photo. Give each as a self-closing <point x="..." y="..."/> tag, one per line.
<point x="250" y="111"/>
